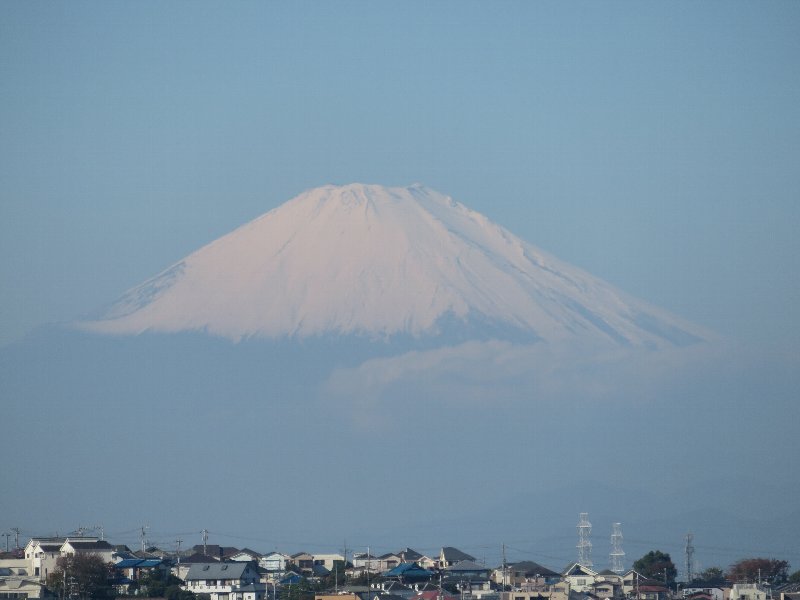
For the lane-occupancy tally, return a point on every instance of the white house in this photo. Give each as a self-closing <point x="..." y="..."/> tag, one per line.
<point x="225" y="581"/>
<point x="747" y="591"/>
<point x="365" y="562"/>
<point x="16" y="583"/>
<point x="274" y="562"/>
<point x="245" y="555"/>
<point x="328" y="560"/>
<point x="42" y="555"/>
<point x="579" y="577"/>
<point x="101" y="548"/>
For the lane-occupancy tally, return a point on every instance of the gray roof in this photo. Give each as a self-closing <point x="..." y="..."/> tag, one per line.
<point x="395" y="585"/>
<point x="466" y="565"/>
<point x="90" y="545"/>
<point x="248" y="551"/>
<point x="215" y="550"/>
<point x="230" y="570"/>
<point x="528" y="567"/>
<point x="197" y="558"/>
<point x="454" y="554"/>
<point x="409" y="554"/>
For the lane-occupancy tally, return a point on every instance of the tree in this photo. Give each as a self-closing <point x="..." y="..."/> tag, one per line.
<point x="711" y="577"/>
<point x="155" y="583"/>
<point x="794" y="577"/>
<point x="82" y="576"/>
<point x="174" y="592"/>
<point x="655" y="564"/>
<point x="770" y="570"/>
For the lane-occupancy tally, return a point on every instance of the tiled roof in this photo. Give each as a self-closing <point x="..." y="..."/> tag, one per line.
<point x="90" y="544"/>
<point x="454" y="554"/>
<point x="529" y="568"/>
<point x="409" y="554"/>
<point x="231" y="570"/>
<point x="466" y="565"/>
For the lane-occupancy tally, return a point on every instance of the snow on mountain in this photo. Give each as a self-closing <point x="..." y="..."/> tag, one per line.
<point x="377" y="262"/>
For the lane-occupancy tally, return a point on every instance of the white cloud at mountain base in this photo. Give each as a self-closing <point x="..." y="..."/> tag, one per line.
<point x="502" y="375"/>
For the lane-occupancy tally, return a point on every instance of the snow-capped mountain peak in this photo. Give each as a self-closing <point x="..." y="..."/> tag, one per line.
<point x="377" y="262"/>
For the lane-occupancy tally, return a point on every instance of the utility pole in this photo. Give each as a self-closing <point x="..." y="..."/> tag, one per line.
<point x="179" y="541"/>
<point x="143" y="536"/>
<point x="7" y="535"/>
<point x="16" y="536"/>
<point x="505" y="567"/>
<point x="689" y="557"/>
<point x="205" y="542"/>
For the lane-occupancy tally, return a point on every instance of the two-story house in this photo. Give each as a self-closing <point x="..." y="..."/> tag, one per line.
<point x="225" y="581"/>
<point x="101" y="548"/>
<point x="579" y="577"/>
<point x="42" y="555"/>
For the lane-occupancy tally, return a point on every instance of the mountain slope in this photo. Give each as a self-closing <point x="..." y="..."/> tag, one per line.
<point x="380" y="262"/>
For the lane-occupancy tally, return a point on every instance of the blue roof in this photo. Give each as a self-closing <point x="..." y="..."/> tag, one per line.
<point x="142" y="563"/>
<point x="408" y="569"/>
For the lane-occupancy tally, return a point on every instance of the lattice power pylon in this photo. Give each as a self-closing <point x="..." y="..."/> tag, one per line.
<point x="689" y="557"/>
<point x="617" y="554"/>
<point x="584" y="544"/>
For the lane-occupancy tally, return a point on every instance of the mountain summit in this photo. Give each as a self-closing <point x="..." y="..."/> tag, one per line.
<point x="378" y="262"/>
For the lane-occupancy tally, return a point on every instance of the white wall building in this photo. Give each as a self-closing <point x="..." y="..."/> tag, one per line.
<point x="42" y="555"/>
<point x="225" y="581"/>
<point x="747" y="591"/>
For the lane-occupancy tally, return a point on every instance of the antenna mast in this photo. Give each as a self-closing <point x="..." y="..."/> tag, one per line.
<point x="617" y="554"/>
<point x="689" y="557"/>
<point x="143" y="535"/>
<point x="584" y="544"/>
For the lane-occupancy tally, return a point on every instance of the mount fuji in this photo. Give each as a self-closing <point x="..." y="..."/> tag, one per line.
<point x="380" y="263"/>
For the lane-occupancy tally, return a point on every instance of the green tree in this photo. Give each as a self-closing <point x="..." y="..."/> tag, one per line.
<point x="302" y="590"/>
<point x="655" y="564"/>
<point x="711" y="577"/>
<point x="174" y="592"/>
<point x="155" y="582"/>
<point x="794" y="577"/>
<point x="83" y="576"/>
<point x="770" y="570"/>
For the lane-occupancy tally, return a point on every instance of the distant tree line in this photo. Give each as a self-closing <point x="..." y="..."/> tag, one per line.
<point x="658" y="566"/>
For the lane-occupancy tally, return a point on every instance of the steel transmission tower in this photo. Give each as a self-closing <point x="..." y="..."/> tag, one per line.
<point x="584" y="544"/>
<point x="617" y="554"/>
<point x="689" y="557"/>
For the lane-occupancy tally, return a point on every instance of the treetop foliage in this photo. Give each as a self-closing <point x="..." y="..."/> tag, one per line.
<point x="655" y="564"/>
<point x="748" y="570"/>
<point x="82" y="576"/>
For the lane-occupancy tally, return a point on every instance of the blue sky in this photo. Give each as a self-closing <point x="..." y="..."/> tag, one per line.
<point x="654" y="144"/>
